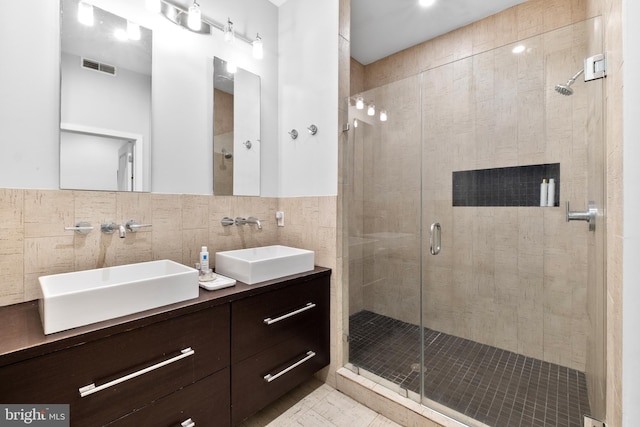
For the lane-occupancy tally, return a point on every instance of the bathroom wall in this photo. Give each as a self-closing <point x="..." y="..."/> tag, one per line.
<point x="520" y="279"/>
<point x="308" y="94"/>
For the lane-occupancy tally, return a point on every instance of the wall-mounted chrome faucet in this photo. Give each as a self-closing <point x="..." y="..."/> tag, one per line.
<point x="131" y="225"/>
<point x="111" y="227"/>
<point x="226" y="221"/>
<point x="251" y="220"/>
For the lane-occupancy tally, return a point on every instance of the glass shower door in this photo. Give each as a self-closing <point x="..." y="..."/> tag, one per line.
<point x="513" y="305"/>
<point x="382" y="184"/>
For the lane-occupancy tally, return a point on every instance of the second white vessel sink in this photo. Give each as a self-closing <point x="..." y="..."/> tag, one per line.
<point x="263" y="263"/>
<point x="79" y="298"/>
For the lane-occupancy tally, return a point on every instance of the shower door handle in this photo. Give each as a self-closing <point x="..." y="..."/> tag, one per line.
<point x="435" y="238"/>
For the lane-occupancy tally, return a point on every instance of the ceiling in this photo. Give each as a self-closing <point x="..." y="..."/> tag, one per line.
<point x="380" y="28"/>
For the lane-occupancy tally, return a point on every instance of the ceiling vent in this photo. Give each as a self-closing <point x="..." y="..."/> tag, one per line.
<point x="97" y="66"/>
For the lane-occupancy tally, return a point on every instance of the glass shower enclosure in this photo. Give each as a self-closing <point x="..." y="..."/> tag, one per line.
<point x="464" y="293"/>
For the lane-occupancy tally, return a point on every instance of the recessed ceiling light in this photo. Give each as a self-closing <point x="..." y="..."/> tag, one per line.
<point x="426" y="3"/>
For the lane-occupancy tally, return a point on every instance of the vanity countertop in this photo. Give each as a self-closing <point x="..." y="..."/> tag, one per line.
<point x="22" y="336"/>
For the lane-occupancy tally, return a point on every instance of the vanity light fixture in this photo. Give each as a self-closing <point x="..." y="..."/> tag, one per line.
<point x="383" y="115"/>
<point x="194" y="21"/>
<point x="359" y="103"/>
<point x="229" y="35"/>
<point x="153" y="6"/>
<point x="258" y="48"/>
<point x="371" y="110"/>
<point x="85" y="13"/>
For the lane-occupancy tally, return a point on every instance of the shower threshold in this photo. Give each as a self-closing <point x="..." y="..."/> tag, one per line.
<point x="496" y="387"/>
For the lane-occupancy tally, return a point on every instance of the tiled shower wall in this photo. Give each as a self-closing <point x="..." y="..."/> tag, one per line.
<point x="33" y="241"/>
<point x="510" y="277"/>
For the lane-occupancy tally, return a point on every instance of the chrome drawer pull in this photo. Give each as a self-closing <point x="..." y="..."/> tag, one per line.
<point x="268" y="378"/>
<point x="188" y="423"/>
<point x="92" y="388"/>
<point x="270" y="321"/>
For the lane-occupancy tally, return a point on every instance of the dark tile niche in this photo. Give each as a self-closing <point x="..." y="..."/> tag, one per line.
<point x="513" y="186"/>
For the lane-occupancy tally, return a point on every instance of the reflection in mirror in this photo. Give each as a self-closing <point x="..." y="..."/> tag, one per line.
<point x="105" y="102"/>
<point x="236" y="131"/>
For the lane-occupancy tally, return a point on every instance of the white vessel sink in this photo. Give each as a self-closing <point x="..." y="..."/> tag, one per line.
<point x="256" y="265"/>
<point x="79" y="298"/>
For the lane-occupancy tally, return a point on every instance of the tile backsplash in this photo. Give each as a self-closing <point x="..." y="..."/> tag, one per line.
<point x="34" y="242"/>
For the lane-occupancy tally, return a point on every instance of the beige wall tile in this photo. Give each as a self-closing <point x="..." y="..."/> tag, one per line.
<point x="195" y="212"/>
<point x="47" y="212"/>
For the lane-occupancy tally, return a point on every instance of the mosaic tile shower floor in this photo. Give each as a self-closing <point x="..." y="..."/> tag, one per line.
<point x="497" y="387"/>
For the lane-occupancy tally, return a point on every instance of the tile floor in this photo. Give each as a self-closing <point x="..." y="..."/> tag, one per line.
<point x="497" y="387"/>
<point x="316" y="404"/>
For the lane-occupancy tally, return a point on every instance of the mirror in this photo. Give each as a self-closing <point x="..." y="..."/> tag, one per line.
<point x="236" y="131"/>
<point x="105" y="102"/>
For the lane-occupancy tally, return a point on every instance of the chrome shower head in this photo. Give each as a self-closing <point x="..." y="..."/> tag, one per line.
<point x="565" y="89"/>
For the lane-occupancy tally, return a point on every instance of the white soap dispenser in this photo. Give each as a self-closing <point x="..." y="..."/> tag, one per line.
<point x="204" y="259"/>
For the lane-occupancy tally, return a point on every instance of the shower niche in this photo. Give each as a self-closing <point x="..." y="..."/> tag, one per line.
<point x="510" y="186"/>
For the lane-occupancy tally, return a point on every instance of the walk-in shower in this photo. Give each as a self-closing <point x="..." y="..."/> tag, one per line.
<point x="504" y="326"/>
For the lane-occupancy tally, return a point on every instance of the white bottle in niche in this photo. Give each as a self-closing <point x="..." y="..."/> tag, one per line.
<point x="543" y="193"/>
<point x="204" y="259"/>
<point x="551" y="192"/>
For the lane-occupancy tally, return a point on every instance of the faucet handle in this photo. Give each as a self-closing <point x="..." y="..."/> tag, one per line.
<point x="133" y="226"/>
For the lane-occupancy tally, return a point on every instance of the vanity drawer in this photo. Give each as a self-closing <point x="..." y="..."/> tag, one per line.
<point x="289" y="363"/>
<point x="137" y="367"/>
<point x="205" y="403"/>
<point x="264" y="320"/>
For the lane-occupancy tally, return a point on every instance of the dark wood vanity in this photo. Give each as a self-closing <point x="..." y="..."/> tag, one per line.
<point x="211" y="361"/>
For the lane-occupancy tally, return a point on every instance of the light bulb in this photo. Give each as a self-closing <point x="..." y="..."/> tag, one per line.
<point x="231" y="67"/>
<point x="229" y="36"/>
<point x="383" y="115"/>
<point x="85" y="13"/>
<point x="153" y="6"/>
<point x="371" y="111"/>
<point x="133" y="31"/>
<point x="194" y="20"/>
<point x="359" y="103"/>
<point x="258" y="48"/>
<point x="120" y="34"/>
<point x="426" y="3"/>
